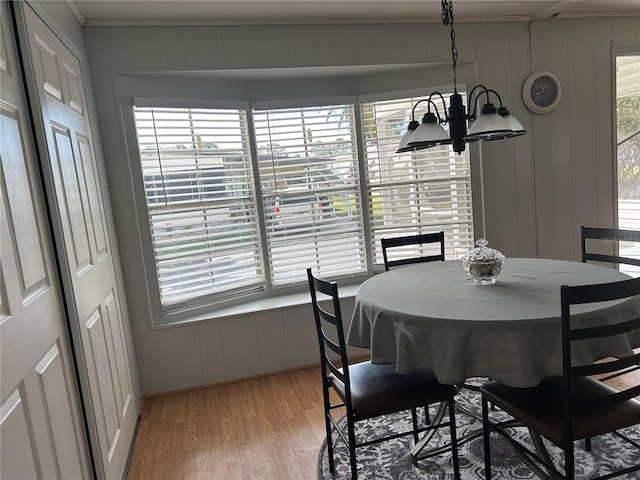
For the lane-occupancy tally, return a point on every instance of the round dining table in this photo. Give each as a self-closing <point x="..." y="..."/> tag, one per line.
<point x="433" y="316"/>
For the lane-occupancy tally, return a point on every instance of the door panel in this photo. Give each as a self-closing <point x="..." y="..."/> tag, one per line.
<point x="117" y="355"/>
<point x="16" y="440"/>
<point x="69" y="199"/>
<point x="41" y="427"/>
<point x="31" y="271"/>
<point x="88" y="272"/>
<point x="53" y="386"/>
<point x="98" y="234"/>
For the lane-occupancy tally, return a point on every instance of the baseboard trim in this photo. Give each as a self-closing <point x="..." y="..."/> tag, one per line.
<point x="125" y="474"/>
<point x="359" y="358"/>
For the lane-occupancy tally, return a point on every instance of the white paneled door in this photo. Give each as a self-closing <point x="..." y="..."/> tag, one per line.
<point x="79" y="216"/>
<point x="41" y="429"/>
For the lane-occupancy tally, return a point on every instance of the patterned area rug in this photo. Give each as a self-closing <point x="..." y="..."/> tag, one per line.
<point x="390" y="460"/>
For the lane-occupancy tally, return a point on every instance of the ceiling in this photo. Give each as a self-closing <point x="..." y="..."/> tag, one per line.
<point x="235" y="12"/>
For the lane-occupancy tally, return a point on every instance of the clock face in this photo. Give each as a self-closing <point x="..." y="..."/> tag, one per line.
<point x="543" y="91"/>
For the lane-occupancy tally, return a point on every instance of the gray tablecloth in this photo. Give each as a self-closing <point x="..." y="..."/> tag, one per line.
<point x="433" y="316"/>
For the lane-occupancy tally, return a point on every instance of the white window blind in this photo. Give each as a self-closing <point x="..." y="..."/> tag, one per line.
<point x="203" y="200"/>
<point x="199" y="188"/>
<point x="309" y="177"/>
<point x="414" y="192"/>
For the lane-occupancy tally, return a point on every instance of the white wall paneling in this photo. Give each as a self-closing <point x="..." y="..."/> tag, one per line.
<point x="573" y="153"/>
<point x="241" y="361"/>
<point x="211" y="348"/>
<point x="271" y="341"/>
<point x="508" y="185"/>
<point x="179" y="357"/>
<point x="583" y="137"/>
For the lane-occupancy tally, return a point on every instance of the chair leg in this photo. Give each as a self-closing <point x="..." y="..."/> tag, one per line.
<point x="414" y="421"/>
<point x="454" y="440"/>
<point x="569" y="468"/>
<point x="352" y="447"/>
<point x="485" y="437"/>
<point x="327" y="422"/>
<point x="329" y="442"/>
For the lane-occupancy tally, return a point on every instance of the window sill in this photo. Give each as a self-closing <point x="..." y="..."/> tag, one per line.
<point x="291" y="300"/>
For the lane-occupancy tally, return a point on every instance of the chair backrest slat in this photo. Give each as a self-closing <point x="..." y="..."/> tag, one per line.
<point x="601" y="257"/>
<point x="333" y="346"/>
<point x="614" y="398"/>
<point x="326" y="315"/>
<point x="408" y="261"/>
<point x="601" y="292"/>
<point x="419" y="240"/>
<point x="333" y="368"/>
<point x="604" y="367"/>
<point x="605" y="330"/>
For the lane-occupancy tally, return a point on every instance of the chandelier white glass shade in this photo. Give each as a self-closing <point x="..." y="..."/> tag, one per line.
<point x="427" y="134"/>
<point x="492" y="123"/>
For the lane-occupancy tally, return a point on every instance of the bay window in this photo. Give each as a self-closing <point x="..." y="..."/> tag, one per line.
<point x="241" y="201"/>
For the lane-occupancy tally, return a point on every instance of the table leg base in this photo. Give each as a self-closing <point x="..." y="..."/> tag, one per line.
<point x="418" y="451"/>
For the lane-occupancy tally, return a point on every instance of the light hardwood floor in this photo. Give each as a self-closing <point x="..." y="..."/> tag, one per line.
<point x="268" y="428"/>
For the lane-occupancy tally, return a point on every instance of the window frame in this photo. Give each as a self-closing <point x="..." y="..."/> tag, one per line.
<point x="626" y="208"/>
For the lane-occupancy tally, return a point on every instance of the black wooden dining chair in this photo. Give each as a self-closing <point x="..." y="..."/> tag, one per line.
<point x="612" y="236"/>
<point x="417" y="241"/>
<point x="366" y="390"/>
<point x="573" y="406"/>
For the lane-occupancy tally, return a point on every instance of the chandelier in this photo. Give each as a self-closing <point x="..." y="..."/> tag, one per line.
<point x="491" y="123"/>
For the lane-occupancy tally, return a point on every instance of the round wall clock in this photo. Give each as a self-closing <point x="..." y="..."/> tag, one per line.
<point x="541" y="92"/>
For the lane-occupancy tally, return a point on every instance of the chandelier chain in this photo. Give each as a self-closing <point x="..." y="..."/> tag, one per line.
<point x="447" y="19"/>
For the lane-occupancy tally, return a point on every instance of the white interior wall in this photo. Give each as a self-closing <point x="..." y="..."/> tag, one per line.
<point x="574" y="148"/>
<point x="538" y="189"/>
